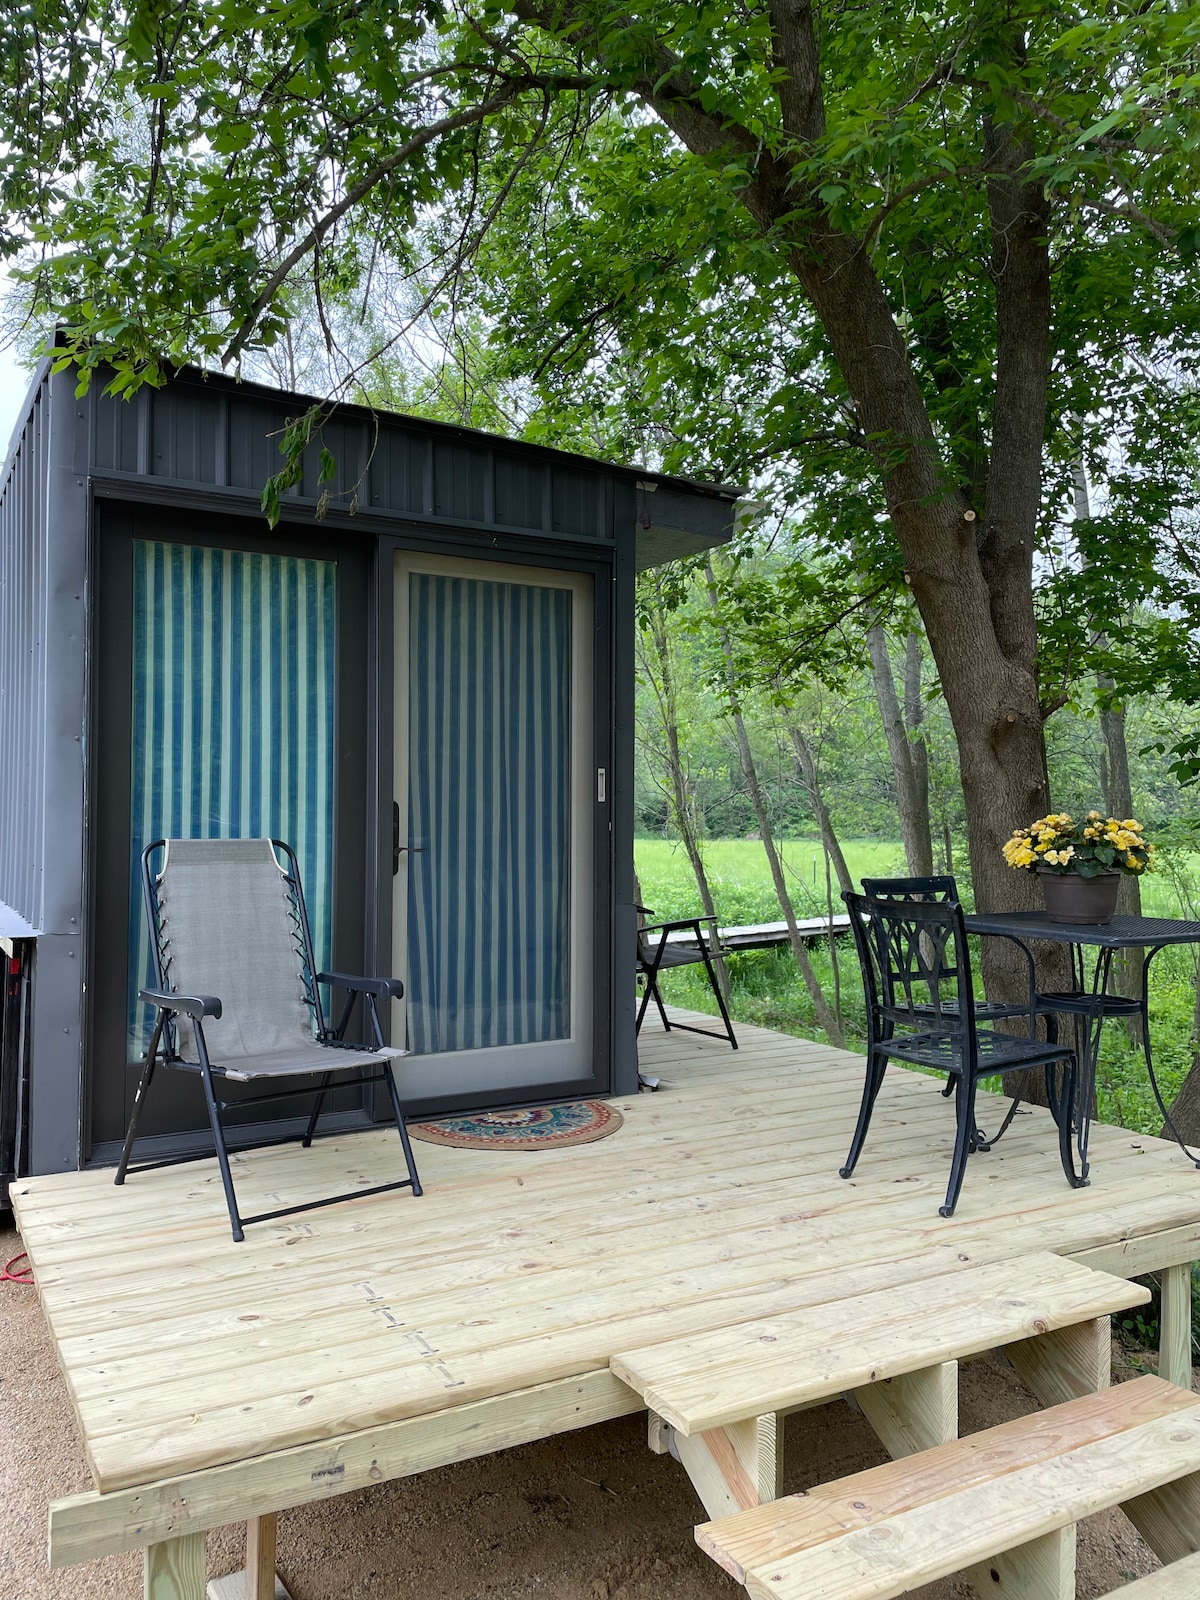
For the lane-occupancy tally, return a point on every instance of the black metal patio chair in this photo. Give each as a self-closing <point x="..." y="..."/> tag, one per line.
<point x="944" y="887"/>
<point x="917" y="984"/>
<point x="233" y="954"/>
<point x="664" y="954"/>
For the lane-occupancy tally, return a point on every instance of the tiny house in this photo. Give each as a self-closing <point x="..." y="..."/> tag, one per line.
<point x="421" y="679"/>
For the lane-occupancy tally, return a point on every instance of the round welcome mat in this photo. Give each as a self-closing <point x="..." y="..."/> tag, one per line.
<point x="529" y="1128"/>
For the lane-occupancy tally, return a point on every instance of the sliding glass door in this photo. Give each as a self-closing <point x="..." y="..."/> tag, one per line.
<point x="494" y="797"/>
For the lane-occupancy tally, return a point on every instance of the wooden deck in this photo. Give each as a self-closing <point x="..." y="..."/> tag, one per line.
<point x="215" y="1381"/>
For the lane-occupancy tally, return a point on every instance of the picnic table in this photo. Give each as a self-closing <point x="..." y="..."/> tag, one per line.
<point x="1091" y="1000"/>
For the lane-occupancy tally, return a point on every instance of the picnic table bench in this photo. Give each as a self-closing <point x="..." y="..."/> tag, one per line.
<point x="765" y="935"/>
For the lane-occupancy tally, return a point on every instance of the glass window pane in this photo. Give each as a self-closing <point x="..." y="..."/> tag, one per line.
<point x="489" y="883"/>
<point x="233" y="700"/>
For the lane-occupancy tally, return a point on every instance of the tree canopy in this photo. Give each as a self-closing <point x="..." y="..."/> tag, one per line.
<point x="916" y="265"/>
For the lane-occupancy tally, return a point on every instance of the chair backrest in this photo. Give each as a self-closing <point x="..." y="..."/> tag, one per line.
<point x="935" y="888"/>
<point x="644" y="914"/>
<point x="916" y="965"/>
<point x="227" y="918"/>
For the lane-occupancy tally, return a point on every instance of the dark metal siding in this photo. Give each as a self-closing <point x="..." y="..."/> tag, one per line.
<point x="345" y="438"/>
<point x="43" y="598"/>
<point x="117" y="424"/>
<point x="254" y="429"/>
<point x="520" y="492"/>
<point x="184" y="438"/>
<point x="215" y="434"/>
<point x="578" y="502"/>
<point x="209" y="445"/>
<point x="23" y="651"/>
<point x="398" y="470"/>
<point x="459" y="477"/>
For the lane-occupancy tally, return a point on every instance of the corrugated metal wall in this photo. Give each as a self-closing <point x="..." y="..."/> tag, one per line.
<point x="23" y="647"/>
<point x="212" y="444"/>
<point x="211" y="434"/>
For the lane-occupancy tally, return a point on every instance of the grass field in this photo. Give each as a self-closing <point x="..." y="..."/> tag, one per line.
<point x="741" y="879"/>
<point x="767" y="988"/>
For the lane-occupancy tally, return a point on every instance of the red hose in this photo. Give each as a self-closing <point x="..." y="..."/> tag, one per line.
<point x="21" y="1274"/>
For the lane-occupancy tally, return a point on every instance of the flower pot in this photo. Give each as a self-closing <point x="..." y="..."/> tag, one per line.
<point x="1070" y="898"/>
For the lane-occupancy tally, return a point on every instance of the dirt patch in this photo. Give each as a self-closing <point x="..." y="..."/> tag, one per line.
<point x="591" y="1515"/>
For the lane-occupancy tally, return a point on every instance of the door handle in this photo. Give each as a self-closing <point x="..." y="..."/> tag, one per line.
<point x="399" y="849"/>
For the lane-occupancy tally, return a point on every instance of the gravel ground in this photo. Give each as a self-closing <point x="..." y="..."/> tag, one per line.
<point x="591" y="1515"/>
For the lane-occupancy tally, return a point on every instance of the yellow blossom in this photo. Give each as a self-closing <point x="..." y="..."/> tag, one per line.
<point x="1058" y="841"/>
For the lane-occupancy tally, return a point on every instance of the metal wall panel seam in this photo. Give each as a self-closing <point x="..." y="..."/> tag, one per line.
<point x="56" y="1076"/>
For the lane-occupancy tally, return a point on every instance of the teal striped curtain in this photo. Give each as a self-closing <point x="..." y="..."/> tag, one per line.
<point x="489" y="811"/>
<point x="233" y="718"/>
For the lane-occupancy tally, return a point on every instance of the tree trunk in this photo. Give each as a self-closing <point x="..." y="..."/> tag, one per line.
<point x="972" y="580"/>
<point x="911" y="778"/>
<point x="835" y="965"/>
<point x="680" y="798"/>
<point x="1118" y="801"/>
<point x="914" y="717"/>
<point x="1118" y="797"/>
<point x="810" y="778"/>
<point x="825" y="1016"/>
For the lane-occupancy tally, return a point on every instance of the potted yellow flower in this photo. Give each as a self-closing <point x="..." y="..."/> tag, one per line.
<point x="1080" y="864"/>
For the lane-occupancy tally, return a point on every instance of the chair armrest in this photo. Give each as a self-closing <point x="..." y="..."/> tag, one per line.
<point x="381" y="988"/>
<point x="192" y="1005"/>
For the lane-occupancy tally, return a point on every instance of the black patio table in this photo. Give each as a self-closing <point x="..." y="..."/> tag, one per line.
<point x="1091" y="1002"/>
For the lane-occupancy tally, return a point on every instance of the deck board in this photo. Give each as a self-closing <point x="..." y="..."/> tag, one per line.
<point x="717" y="1201"/>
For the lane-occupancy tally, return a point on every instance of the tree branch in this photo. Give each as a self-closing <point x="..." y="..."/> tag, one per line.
<point x="504" y="96"/>
<point x="1129" y="212"/>
<point x="909" y="189"/>
<point x="795" y="53"/>
<point x="670" y="90"/>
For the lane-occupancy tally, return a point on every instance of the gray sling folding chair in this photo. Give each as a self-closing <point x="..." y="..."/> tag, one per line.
<point x="233" y="954"/>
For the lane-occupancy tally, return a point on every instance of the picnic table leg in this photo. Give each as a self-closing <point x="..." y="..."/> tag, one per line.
<point x="1175" y="1326"/>
<point x="768" y="1455"/>
<point x="175" y="1569"/>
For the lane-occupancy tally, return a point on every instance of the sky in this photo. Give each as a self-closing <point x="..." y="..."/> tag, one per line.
<point x="14" y="381"/>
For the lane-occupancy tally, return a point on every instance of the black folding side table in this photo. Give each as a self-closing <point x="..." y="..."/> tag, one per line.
<point x="1090" y="1002"/>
